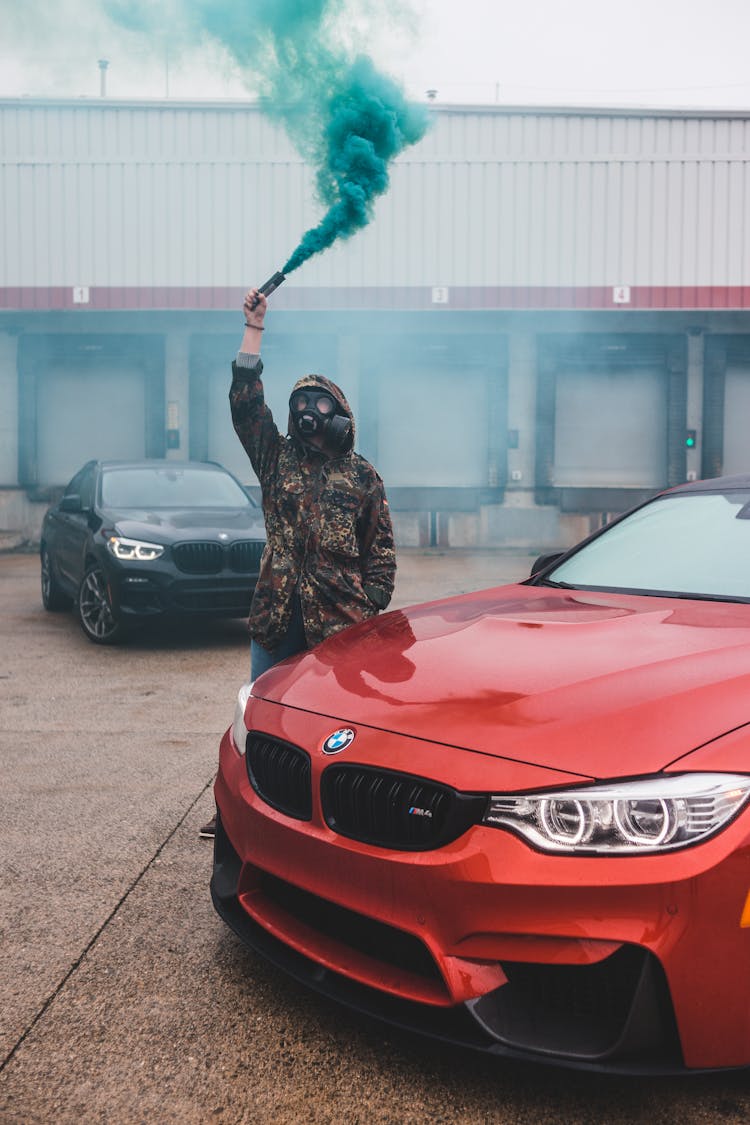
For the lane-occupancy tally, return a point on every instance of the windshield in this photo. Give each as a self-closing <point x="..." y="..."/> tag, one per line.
<point x="178" y="487"/>
<point x="694" y="543"/>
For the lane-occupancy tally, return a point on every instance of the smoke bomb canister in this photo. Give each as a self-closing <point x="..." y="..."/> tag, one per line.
<point x="269" y="286"/>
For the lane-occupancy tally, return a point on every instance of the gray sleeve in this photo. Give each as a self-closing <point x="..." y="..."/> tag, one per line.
<point x="248" y="359"/>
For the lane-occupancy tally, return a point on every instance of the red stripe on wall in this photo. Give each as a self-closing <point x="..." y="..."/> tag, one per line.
<point x="168" y="298"/>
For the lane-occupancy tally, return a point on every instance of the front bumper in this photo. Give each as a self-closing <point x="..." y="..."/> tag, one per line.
<point x="153" y="589"/>
<point x="635" y="965"/>
<point x="644" y="1042"/>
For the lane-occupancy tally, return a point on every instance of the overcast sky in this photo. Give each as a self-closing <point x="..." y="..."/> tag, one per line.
<point x="576" y="52"/>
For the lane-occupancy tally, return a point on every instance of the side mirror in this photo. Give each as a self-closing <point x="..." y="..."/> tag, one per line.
<point x="545" y="561"/>
<point x="71" y="503"/>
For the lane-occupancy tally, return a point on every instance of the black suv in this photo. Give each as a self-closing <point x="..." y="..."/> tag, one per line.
<point x="132" y="540"/>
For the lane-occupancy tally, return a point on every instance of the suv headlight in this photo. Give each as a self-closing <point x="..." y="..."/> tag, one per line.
<point x="239" y="730"/>
<point x="133" y="550"/>
<point x="655" y="814"/>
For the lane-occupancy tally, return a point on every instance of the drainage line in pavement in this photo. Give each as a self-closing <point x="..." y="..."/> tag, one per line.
<point x="115" y="910"/>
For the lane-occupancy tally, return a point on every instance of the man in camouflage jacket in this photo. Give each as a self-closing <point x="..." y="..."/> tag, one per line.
<point x="330" y="554"/>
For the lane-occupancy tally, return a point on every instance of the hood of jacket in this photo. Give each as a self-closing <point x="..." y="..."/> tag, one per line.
<point x="320" y="382"/>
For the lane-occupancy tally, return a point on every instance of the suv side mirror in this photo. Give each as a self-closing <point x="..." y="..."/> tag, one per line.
<point x="545" y="561"/>
<point x="71" y="503"/>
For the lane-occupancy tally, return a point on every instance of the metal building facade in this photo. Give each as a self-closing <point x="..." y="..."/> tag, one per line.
<point x="150" y="196"/>
<point x="581" y="277"/>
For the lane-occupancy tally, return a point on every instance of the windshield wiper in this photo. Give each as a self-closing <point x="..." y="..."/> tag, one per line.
<point x="735" y="599"/>
<point x="709" y="597"/>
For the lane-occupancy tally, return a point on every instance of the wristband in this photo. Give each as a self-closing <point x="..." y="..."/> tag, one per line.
<point x="257" y="327"/>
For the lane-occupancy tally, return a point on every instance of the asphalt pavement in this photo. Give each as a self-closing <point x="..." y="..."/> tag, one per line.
<point x="124" y="997"/>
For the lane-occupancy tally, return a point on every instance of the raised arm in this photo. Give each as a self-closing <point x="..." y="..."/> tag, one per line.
<point x="253" y="421"/>
<point x="254" y="317"/>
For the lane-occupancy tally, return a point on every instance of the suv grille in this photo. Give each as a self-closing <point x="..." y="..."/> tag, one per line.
<point x="243" y="557"/>
<point x="394" y="810"/>
<point x="280" y="774"/>
<point x="199" y="558"/>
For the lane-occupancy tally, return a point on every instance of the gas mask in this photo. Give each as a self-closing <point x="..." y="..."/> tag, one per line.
<point x="314" y="412"/>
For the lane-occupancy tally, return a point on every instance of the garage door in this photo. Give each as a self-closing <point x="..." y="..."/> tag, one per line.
<point x="610" y="428"/>
<point x="81" y="415"/>
<point x="433" y="427"/>
<point x="736" y="419"/>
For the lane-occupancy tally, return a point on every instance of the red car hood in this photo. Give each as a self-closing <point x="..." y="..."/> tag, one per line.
<point x="601" y="685"/>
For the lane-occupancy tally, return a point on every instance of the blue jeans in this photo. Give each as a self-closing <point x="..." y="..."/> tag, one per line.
<point x="261" y="659"/>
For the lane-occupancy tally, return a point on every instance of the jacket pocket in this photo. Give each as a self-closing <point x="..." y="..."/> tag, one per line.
<point x="338" y="523"/>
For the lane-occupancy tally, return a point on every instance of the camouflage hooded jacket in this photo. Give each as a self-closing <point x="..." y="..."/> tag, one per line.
<point x="329" y="529"/>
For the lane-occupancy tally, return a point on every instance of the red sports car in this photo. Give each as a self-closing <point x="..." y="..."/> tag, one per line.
<point x="518" y="819"/>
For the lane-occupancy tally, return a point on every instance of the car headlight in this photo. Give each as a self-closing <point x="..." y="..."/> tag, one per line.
<point x="239" y="730"/>
<point x="655" y="814"/>
<point x="133" y="550"/>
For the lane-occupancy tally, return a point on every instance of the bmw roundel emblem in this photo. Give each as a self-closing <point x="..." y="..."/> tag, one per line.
<point x="338" y="741"/>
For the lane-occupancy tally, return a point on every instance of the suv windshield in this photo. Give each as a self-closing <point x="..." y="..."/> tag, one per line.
<point x="694" y="543"/>
<point x="159" y="487"/>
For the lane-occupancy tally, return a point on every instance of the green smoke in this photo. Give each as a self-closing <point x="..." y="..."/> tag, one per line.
<point x="366" y="123"/>
<point x="345" y="118"/>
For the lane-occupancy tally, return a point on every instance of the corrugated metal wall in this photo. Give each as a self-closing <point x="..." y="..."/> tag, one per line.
<point x="127" y="195"/>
